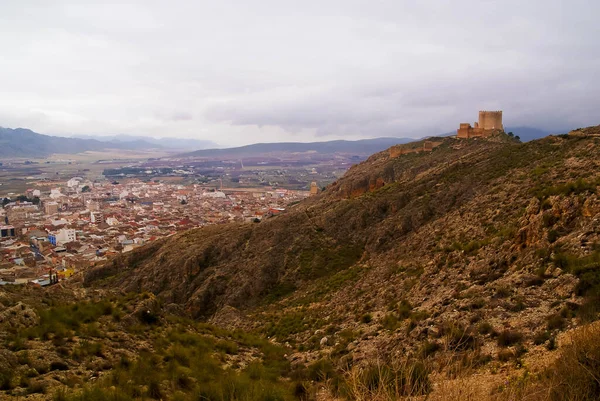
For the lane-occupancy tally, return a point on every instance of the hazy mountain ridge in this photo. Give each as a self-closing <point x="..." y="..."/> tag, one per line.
<point x="168" y="143"/>
<point x="359" y="147"/>
<point x="21" y="142"/>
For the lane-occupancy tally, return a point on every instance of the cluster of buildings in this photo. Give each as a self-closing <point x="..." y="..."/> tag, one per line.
<point x="56" y="234"/>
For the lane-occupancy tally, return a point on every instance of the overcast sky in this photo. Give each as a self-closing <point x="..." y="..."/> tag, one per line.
<point x="245" y="71"/>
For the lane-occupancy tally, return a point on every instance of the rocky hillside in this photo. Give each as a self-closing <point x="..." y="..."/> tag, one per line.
<point x="443" y="273"/>
<point x="494" y="237"/>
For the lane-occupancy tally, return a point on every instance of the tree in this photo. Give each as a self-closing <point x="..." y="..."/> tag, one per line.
<point x="511" y="134"/>
<point x="518" y="138"/>
<point x="86" y="189"/>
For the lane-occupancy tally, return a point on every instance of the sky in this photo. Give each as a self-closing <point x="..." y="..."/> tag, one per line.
<point x="245" y="71"/>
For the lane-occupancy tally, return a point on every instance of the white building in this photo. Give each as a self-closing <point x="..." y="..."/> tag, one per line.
<point x="111" y="221"/>
<point x="74" y="182"/>
<point x="93" y="206"/>
<point x="216" y="194"/>
<point x="55" y="193"/>
<point x="62" y="236"/>
<point x="96" y="217"/>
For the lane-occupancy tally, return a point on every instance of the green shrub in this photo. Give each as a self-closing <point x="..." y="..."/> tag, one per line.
<point x="321" y="370"/>
<point x="405" y="379"/>
<point x="366" y="318"/>
<point x="404" y="309"/>
<point x="541" y="337"/>
<point x="389" y="322"/>
<point x="509" y="337"/>
<point x="6" y="380"/>
<point x="569" y="188"/>
<point x="459" y="338"/>
<point x="485" y="328"/>
<point x="556" y="322"/>
<point x="429" y="348"/>
<point x="229" y="347"/>
<point x="505" y="355"/>
<point x="59" y="365"/>
<point x="553" y="235"/>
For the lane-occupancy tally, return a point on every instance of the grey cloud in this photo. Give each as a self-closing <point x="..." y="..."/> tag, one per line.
<point x="270" y="70"/>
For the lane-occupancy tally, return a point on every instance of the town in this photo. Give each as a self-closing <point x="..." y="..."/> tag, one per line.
<point x="51" y="235"/>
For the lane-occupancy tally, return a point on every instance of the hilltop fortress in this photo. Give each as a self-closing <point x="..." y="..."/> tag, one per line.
<point x="489" y="122"/>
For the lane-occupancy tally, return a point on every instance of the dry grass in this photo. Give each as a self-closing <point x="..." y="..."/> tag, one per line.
<point x="573" y="376"/>
<point x="387" y="382"/>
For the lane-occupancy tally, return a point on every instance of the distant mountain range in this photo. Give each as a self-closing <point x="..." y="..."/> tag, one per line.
<point x="529" y="133"/>
<point x="167" y="143"/>
<point x="359" y="147"/>
<point x="21" y="142"/>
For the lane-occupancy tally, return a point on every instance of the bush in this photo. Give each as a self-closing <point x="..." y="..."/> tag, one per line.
<point x="553" y="235"/>
<point x="59" y="365"/>
<point x="429" y="348"/>
<point x="508" y="338"/>
<point x="556" y="322"/>
<point x="485" y="328"/>
<point x="505" y="355"/>
<point x="576" y="374"/>
<point x="6" y="381"/>
<point x="404" y="309"/>
<point x="366" y="318"/>
<point x="148" y="317"/>
<point x="389" y="322"/>
<point x="541" y="337"/>
<point x="389" y="381"/>
<point x="458" y="338"/>
<point x="321" y="370"/>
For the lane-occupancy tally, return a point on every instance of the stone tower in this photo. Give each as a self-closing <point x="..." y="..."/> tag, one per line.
<point x="490" y="120"/>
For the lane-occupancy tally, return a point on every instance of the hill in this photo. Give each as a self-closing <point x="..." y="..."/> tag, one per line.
<point x="21" y="142"/>
<point x="485" y="248"/>
<point x="359" y="147"/>
<point x="468" y="272"/>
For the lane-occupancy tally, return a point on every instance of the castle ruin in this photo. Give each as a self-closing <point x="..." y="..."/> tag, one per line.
<point x="414" y="147"/>
<point x="489" y="122"/>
